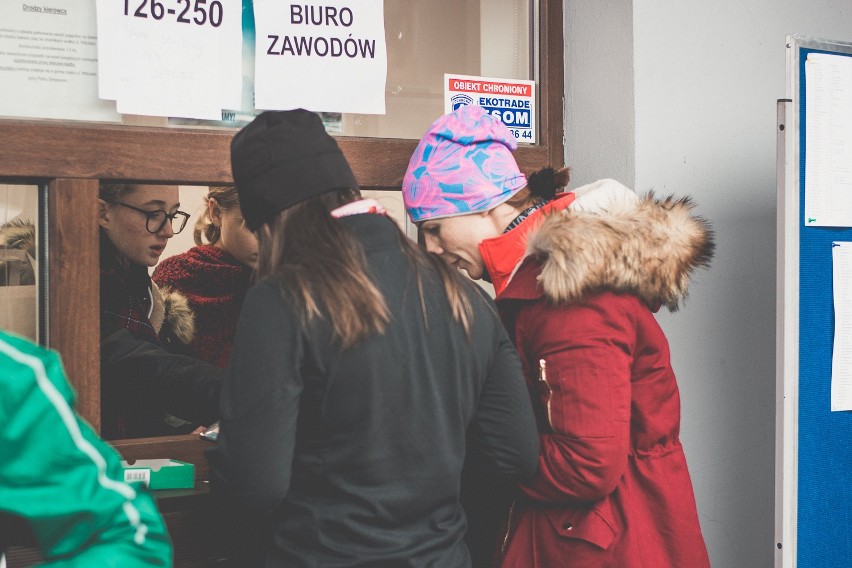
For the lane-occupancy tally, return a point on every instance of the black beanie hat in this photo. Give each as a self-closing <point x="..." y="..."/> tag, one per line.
<point x="282" y="158"/>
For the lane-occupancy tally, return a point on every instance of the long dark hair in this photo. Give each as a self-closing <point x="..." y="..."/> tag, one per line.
<point x="320" y="264"/>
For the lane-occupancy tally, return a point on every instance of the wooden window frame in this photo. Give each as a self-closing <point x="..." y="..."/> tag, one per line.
<point x="71" y="158"/>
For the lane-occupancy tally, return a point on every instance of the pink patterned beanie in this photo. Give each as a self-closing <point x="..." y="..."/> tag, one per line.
<point x="463" y="164"/>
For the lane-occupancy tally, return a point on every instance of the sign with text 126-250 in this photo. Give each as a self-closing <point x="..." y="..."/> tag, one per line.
<point x="510" y="100"/>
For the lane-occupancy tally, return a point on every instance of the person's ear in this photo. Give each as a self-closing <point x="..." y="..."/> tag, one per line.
<point x="103" y="214"/>
<point x="214" y="211"/>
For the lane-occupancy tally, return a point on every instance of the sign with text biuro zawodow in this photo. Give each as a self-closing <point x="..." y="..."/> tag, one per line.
<point x="327" y="57"/>
<point x="510" y="100"/>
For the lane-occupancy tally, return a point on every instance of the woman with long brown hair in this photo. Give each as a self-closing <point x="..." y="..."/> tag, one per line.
<point x="362" y="373"/>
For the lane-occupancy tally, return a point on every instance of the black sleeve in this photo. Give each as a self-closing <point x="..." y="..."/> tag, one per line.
<point x="141" y="379"/>
<point x="252" y="460"/>
<point x="502" y="450"/>
<point x="504" y="428"/>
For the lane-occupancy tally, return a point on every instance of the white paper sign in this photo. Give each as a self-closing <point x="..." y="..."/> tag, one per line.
<point x="510" y="100"/>
<point x="177" y="58"/>
<point x="48" y="61"/>
<point x="841" y="356"/>
<point x="828" y="134"/>
<point x="328" y="57"/>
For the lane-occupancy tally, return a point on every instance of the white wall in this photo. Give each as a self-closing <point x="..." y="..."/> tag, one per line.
<point x="679" y="97"/>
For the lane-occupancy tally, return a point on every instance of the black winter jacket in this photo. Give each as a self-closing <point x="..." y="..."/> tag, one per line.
<point x="357" y="454"/>
<point x="145" y="390"/>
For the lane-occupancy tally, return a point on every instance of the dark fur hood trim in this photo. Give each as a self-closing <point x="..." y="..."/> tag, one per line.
<point x="648" y="247"/>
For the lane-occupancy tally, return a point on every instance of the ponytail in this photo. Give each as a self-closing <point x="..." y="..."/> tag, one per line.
<point x="542" y="186"/>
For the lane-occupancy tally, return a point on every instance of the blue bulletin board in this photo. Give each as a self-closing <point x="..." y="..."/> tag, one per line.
<point x="814" y="447"/>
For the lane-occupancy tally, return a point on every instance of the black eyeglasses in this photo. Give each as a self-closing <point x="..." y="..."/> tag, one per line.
<point x="156" y="219"/>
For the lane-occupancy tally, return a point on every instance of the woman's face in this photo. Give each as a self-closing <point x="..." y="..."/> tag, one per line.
<point x="235" y="237"/>
<point x="126" y="228"/>
<point x="456" y="240"/>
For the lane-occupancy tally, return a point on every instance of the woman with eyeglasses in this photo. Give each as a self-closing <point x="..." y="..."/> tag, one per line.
<point x="204" y="287"/>
<point x="146" y="391"/>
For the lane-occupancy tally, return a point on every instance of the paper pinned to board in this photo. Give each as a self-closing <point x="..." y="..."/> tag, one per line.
<point x="828" y="131"/>
<point x="841" y="357"/>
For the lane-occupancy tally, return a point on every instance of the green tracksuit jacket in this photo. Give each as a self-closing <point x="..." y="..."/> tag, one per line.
<point x="62" y="478"/>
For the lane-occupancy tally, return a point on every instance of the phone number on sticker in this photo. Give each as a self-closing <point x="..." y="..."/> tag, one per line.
<point x="187" y="11"/>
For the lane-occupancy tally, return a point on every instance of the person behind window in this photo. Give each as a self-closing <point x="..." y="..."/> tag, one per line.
<point x="204" y="287"/>
<point x="578" y="277"/>
<point x="145" y="390"/>
<point x="360" y="365"/>
<point x="59" y="476"/>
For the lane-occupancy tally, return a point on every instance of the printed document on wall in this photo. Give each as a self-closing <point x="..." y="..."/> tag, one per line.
<point x="841" y="357"/>
<point x="328" y="57"/>
<point x="48" y="61"/>
<point x="170" y="57"/>
<point x="828" y="137"/>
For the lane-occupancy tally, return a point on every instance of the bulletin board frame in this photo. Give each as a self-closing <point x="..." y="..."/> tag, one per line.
<point x="813" y="485"/>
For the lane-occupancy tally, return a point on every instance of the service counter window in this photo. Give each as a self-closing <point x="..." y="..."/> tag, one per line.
<point x="200" y="272"/>
<point x="51" y="166"/>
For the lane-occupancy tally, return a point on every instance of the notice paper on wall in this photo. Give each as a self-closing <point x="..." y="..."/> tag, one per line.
<point x="48" y="61"/>
<point x="328" y="57"/>
<point x="828" y="132"/>
<point x="841" y="357"/>
<point x="512" y="101"/>
<point x="170" y="57"/>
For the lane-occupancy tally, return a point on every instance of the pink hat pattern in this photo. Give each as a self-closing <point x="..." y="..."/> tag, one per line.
<point x="463" y="164"/>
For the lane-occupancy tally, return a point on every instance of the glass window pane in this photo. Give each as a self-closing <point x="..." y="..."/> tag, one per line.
<point x="425" y="39"/>
<point x="19" y="260"/>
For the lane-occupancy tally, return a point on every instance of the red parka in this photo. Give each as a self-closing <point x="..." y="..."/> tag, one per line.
<point x="613" y="487"/>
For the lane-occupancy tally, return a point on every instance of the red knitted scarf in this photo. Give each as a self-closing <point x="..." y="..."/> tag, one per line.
<point x="215" y="284"/>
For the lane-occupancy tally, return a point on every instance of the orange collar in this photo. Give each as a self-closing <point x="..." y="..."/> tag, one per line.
<point x="503" y="253"/>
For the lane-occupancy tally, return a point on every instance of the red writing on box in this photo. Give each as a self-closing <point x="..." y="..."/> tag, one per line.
<point x="489" y="87"/>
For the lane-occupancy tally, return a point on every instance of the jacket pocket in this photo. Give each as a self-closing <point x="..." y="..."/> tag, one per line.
<point x="593" y="525"/>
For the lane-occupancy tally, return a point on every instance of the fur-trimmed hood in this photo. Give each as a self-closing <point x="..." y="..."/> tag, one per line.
<point x="19" y="234"/>
<point x="16" y="267"/>
<point x="610" y="239"/>
<point x="172" y="310"/>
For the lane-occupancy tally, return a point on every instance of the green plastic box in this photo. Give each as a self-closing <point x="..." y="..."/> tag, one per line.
<point x="160" y="474"/>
